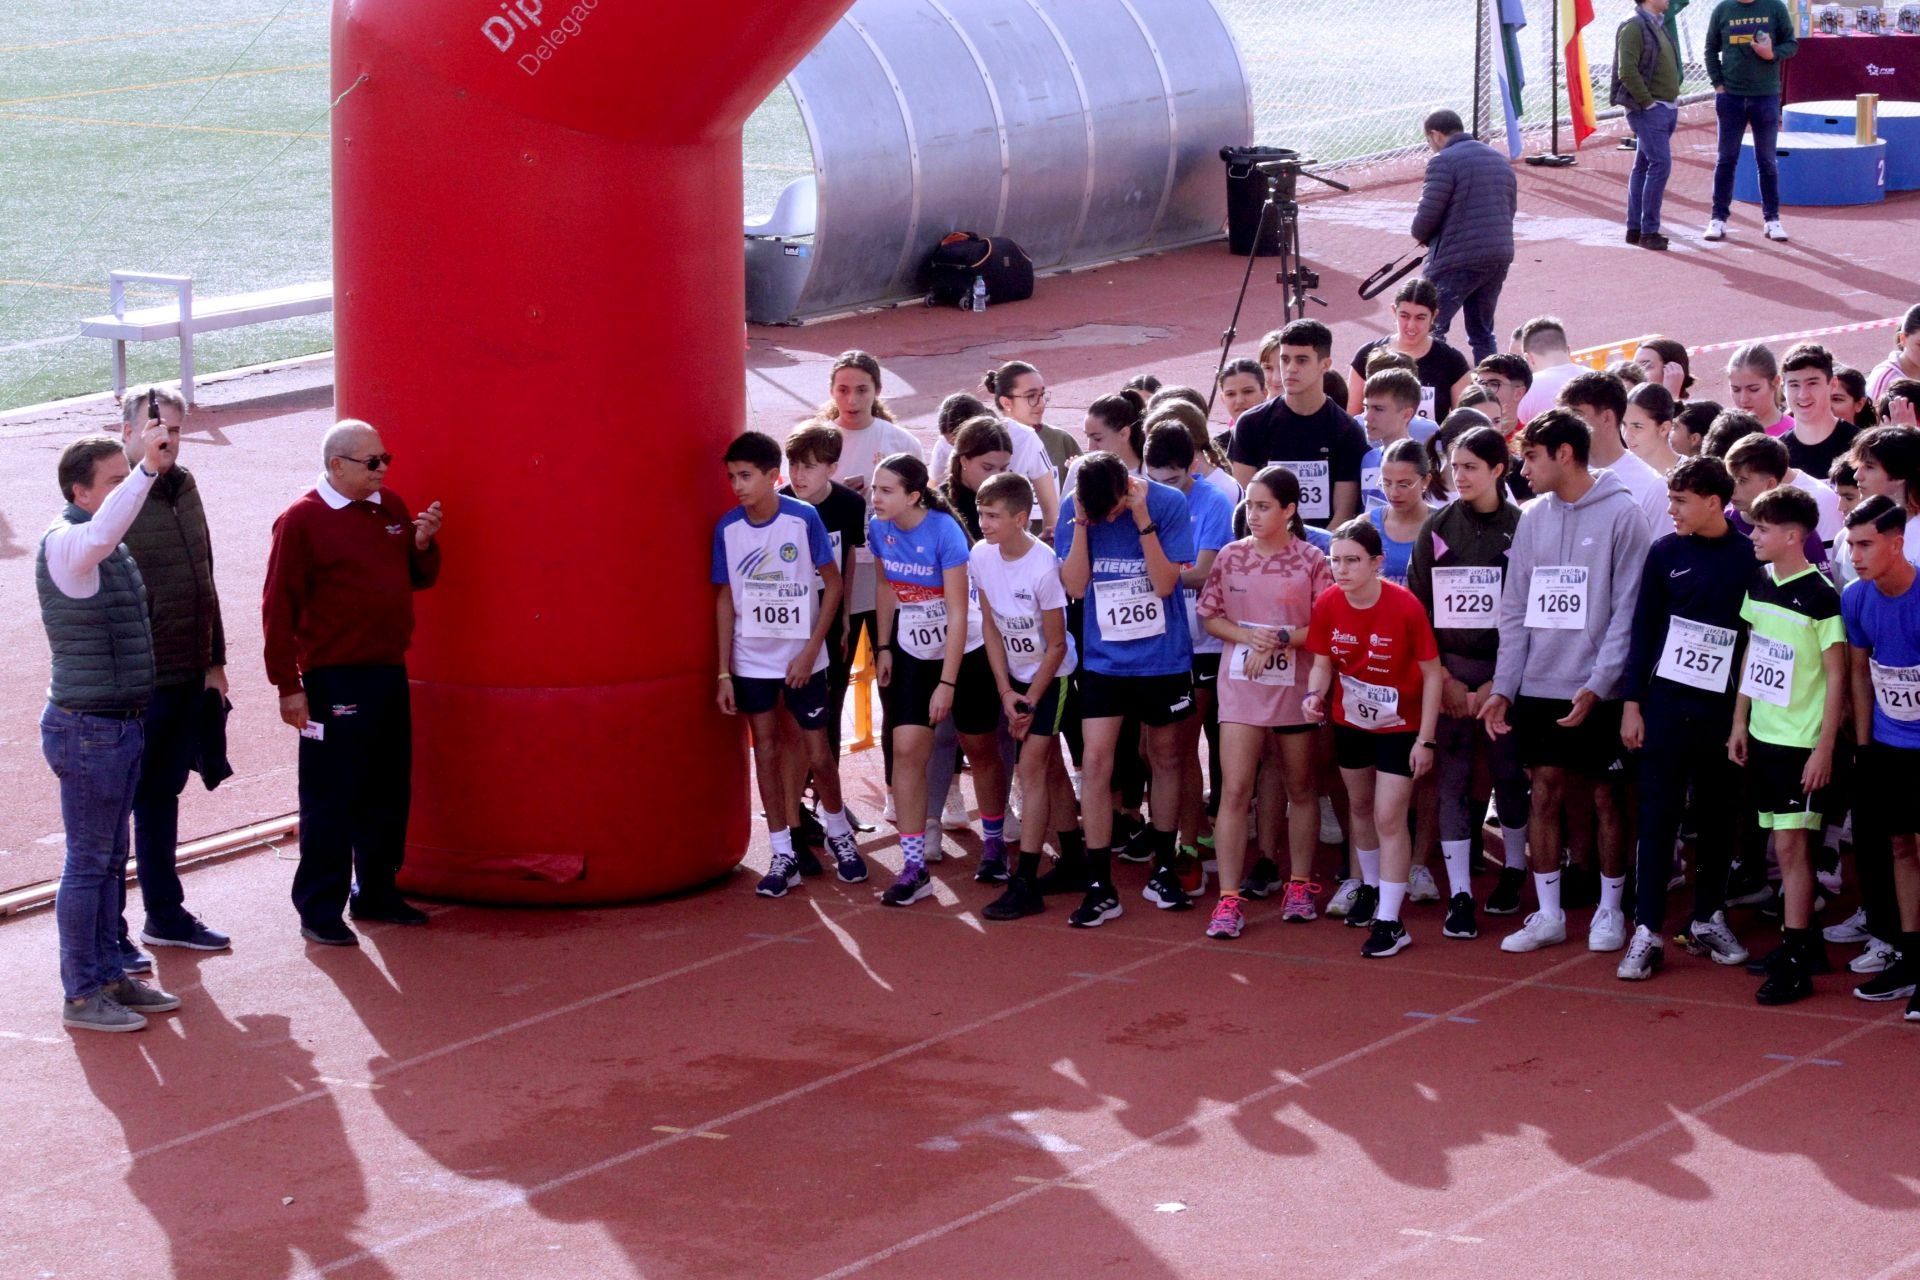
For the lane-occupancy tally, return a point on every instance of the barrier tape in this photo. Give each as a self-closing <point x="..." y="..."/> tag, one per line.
<point x="1601" y="357"/>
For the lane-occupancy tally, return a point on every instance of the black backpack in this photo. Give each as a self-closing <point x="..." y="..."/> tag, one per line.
<point x="961" y="257"/>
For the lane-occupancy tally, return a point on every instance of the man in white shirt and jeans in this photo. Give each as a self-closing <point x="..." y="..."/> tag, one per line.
<point x="94" y="607"/>
<point x="1542" y="342"/>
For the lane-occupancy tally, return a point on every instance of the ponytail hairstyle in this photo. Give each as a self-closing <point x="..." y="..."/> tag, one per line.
<point x="1672" y="352"/>
<point x="866" y="364"/>
<point x="981" y="434"/>
<point x="1414" y="454"/>
<point x="1440" y="449"/>
<point x="999" y="382"/>
<point x="1124" y="411"/>
<point x="1654" y="400"/>
<point x="1145" y="383"/>
<point x="1251" y="368"/>
<point x="1854" y="384"/>
<point x="1361" y="530"/>
<point x="1285" y="488"/>
<point x="912" y="474"/>
<point x="956" y="410"/>
<point x="1182" y="413"/>
<point x="1420" y="292"/>
<point x="1100" y="485"/>
<point x="1486" y="444"/>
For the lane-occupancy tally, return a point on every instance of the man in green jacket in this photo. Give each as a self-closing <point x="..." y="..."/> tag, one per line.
<point x="171" y="545"/>
<point x="1747" y="40"/>
<point x="1646" y="81"/>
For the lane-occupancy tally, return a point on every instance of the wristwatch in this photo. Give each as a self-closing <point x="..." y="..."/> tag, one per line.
<point x="1431" y="746"/>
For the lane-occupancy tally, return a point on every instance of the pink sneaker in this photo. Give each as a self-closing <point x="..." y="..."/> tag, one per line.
<point x="1296" y="901"/>
<point x="1228" y="920"/>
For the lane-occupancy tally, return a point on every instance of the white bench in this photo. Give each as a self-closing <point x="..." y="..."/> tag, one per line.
<point x="186" y="317"/>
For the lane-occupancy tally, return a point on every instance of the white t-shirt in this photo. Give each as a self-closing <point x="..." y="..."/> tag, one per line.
<point x="1831" y="521"/>
<point x="771" y="568"/>
<point x="1546" y="388"/>
<point x="1222" y="479"/>
<point x="1029" y="457"/>
<point x="860" y="453"/>
<point x="1649" y="489"/>
<point x="1018" y="591"/>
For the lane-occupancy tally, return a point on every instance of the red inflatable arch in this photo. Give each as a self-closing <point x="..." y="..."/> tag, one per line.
<point x="539" y="301"/>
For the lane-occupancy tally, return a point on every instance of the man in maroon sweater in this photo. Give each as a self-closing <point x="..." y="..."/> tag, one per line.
<point x="338" y="608"/>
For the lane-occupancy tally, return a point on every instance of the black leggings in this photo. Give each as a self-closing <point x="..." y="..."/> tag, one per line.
<point x="1681" y="751"/>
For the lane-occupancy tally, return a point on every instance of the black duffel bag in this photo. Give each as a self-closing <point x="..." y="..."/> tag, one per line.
<point x="961" y="258"/>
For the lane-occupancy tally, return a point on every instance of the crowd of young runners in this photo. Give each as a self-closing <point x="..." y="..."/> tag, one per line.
<point x="1586" y="623"/>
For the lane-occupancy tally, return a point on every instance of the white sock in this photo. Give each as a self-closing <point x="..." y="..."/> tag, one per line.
<point x="782" y="841"/>
<point x="1612" y="890"/>
<point x="1369" y="860"/>
<point x="1392" y="894"/>
<point x="1548" y="887"/>
<point x="836" y="821"/>
<point x="1513" y="845"/>
<point x="1459" y="856"/>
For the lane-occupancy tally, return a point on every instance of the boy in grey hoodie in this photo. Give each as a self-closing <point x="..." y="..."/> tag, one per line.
<point x="1566" y="619"/>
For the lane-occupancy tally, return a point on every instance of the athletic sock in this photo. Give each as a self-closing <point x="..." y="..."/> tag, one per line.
<point x="993" y="828"/>
<point x="914" y="846"/>
<point x="1072" y="843"/>
<point x="1459" y="856"/>
<point x="836" y="821"/>
<point x="1547" y="885"/>
<point x="781" y="840"/>
<point x="1613" y="890"/>
<point x="1369" y="861"/>
<point x="1100" y="868"/>
<point x="1910" y="951"/>
<point x="1163" y="845"/>
<point x="1798" y="942"/>
<point x="1029" y="866"/>
<point x="1513" y="847"/>
<point x="1392" y="894"/>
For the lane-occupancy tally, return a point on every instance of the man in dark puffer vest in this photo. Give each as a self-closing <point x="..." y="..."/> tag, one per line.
<point x="1465" y="219"/>
<point x="94" y="608"/>
<point x="170" y="543"/>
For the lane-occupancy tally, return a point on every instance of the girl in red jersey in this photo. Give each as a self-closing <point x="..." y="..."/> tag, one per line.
<point x="1375" y="639"/>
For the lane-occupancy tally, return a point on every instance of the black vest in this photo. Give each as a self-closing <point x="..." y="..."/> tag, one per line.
<point x="102" y="645"/>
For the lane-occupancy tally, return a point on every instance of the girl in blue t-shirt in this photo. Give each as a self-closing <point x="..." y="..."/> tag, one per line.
<point x="930" y="663"/>
<point x="1403" y="478"/>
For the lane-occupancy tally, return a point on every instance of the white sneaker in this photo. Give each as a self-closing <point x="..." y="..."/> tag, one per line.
<point x="1716" y="230"/>
<point x="1876" y="957"/>
<point x="1420" y="886"/>
<point x="1852" y="929"/>
<point x="1829" y="878"/>
<point x="1643" y="958"/>
<point x="1608" y="932"/>
<point x="889" y="813"/>
<point x="1678" y="880"/>
<point x="1776" y="232"/>
<point x="1011" y="829"/>
<point x="1342" y="900"/>
<point x="1330" y="832"/>
<point x="954" y="816"/>
<point x="1540" y="930"/>
<point x="1715" y="940"/>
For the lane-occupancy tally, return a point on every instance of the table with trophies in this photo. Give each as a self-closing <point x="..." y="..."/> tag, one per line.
<point x="1850" y="51"/>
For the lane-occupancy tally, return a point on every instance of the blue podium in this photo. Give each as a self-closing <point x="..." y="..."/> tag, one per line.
<point x="1898" y="123"/>
<point x="1818" y="168"/>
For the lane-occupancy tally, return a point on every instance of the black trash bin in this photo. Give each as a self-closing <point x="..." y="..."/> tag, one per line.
<point x="1247" y="192"/>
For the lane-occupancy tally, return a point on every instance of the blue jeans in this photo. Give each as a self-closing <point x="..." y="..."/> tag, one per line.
<point x="97" y="759"/>
<point x="1737" y="113"/>
<point x="1474" y="291"/>
<point x="1652" y="162"/>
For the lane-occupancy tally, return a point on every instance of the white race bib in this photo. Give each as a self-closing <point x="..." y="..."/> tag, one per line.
<point x="922" y="628"/>
<point x="1426" y="404"/>
<point x="1020" y="635"/>
<point x="776" y="610"/>
<point x="1316" y="488"/>
<point x="1896" y="690"/>
<point x="838" y="560"/>
<point x="1698" y="655"/>
<point x="1557" y="599"/>
<point x="1277" y="668"/>
<point x="1370" y="706"/>
<point x="1467" y="597"/>
<point x="1769" y="673"/>
<point x="1370" y="483"/>
<point x="1129" y="609"/>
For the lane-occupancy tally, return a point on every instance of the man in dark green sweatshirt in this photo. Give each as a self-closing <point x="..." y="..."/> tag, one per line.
<point x="1746" y="42"/>
<point x="1646" y="81"/>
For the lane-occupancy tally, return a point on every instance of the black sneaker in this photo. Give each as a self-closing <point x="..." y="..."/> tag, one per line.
<point x="1461" y="920"/>
<point x="1020" y="900"/>
<point x="1788" y="979"/>
<point x="1633" y="236"/>
<point x="1913" y="1007"/>
<point x="1066" y="875"/>
<point x="386" y="908"/>
<point x="1132" y="841"/>
<point x="1653" y="240"/>
<point x="1100" y="905"/>
<point x="1262" y="880"/>
<point x="993" y="870"/>
<point x="809" y="828"/>
<point x="911" y="885"/>
<point x="806" y="860"/>
<point x="1388" y="938"/>
<point x="1505" y="898"/>
<point x="847" y="862"/>
<point x="1895" y="982"/>
<point x="1815" y="962"/>
<point x="1366" y="901"/>
<point x="185" y="932"/>
<point x="333" y="933"/>
<point x="781" y="876"/>
<point x="1163" y="890"/>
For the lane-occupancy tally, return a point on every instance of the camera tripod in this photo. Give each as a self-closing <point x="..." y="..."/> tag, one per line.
<point x="1295" y="277"/>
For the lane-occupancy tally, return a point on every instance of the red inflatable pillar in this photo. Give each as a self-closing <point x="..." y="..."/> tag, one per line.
<point x="539" y="301"/>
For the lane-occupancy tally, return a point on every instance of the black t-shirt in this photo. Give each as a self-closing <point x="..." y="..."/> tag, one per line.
<point x="1438" y="371"/>
<point x="844" y="513"/>
<point x="1321" y="448"/>
<point x="1817" y="459"/>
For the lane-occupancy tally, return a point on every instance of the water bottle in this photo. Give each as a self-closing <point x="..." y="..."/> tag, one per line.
<point x="978" y="298"/>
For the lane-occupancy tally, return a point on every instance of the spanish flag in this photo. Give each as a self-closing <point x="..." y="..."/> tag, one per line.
<point x="1574" y="15"/>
